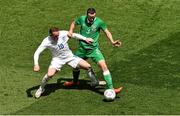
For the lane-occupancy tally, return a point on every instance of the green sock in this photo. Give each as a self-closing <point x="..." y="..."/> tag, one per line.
<point x="108" y="79"/>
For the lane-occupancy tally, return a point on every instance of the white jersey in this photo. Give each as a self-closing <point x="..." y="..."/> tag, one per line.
<point x="58" y="48"/>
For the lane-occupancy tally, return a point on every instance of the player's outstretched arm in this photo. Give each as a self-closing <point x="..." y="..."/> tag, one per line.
<point x="36" y="58"/>
<point x="116" y="43"/>
<point x="80" y="37"/>
<point x="71" y="29"/>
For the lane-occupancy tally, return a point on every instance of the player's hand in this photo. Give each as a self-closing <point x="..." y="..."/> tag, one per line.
<point x="36" y="68"/>
<point x="89" y="40"/>
<point x="117" y="43"/>
<point x="70" y="34"/>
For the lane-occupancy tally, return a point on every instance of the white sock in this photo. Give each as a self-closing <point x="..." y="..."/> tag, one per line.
<point x="44" y="81"/>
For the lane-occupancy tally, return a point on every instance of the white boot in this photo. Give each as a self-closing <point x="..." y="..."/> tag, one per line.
<point x="39" y="92"/>
<point x="102" y="83"/>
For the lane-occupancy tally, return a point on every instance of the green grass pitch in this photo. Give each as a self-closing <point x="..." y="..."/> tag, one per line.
<point x="148" y="63"/>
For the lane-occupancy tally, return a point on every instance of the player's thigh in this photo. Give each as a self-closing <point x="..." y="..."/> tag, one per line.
<point x="97" y="55"/>
<point x="83" y="64"/>
<point x="74" y="62"/>
<point x="55" y="66"/>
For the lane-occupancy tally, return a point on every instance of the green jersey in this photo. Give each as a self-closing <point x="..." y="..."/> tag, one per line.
<point x="90" y="31"/>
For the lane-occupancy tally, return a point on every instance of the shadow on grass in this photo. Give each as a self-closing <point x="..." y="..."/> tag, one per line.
<point x="49" y="88"/>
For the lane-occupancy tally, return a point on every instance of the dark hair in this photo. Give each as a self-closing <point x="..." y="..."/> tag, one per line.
<point x="53" y="29"/>
<point x="91" y="10"/>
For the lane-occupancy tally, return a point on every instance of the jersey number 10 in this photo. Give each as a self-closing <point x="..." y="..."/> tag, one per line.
<point x="61" y="46"/>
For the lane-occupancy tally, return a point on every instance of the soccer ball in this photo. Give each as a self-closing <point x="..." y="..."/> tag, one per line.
<point x="109" y="94"/>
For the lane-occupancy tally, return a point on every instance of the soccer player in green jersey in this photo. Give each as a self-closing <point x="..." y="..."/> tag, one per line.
<point x="90" y="27"/>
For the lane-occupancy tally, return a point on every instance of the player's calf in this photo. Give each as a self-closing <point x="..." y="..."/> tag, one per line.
<point x="92" y="77"/>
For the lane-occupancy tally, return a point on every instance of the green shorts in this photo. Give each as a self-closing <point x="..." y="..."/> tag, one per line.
<point x="94" y="54"/>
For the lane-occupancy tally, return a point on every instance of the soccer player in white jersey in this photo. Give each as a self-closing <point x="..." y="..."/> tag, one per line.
<point x="61" y="54"/>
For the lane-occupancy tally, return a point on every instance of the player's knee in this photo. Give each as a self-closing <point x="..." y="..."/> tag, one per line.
<point x="84" y="65"/>
<point x="88" y="65"/>
<point x="51" y="73"/>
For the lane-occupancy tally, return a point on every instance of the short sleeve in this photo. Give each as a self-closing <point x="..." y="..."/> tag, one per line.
<point x="63" y="36"/>
<point x="103" y="26"/>
<point x="78" y="21"/>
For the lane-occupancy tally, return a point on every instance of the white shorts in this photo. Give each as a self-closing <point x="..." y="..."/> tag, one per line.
<point x="57" y="63"/>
